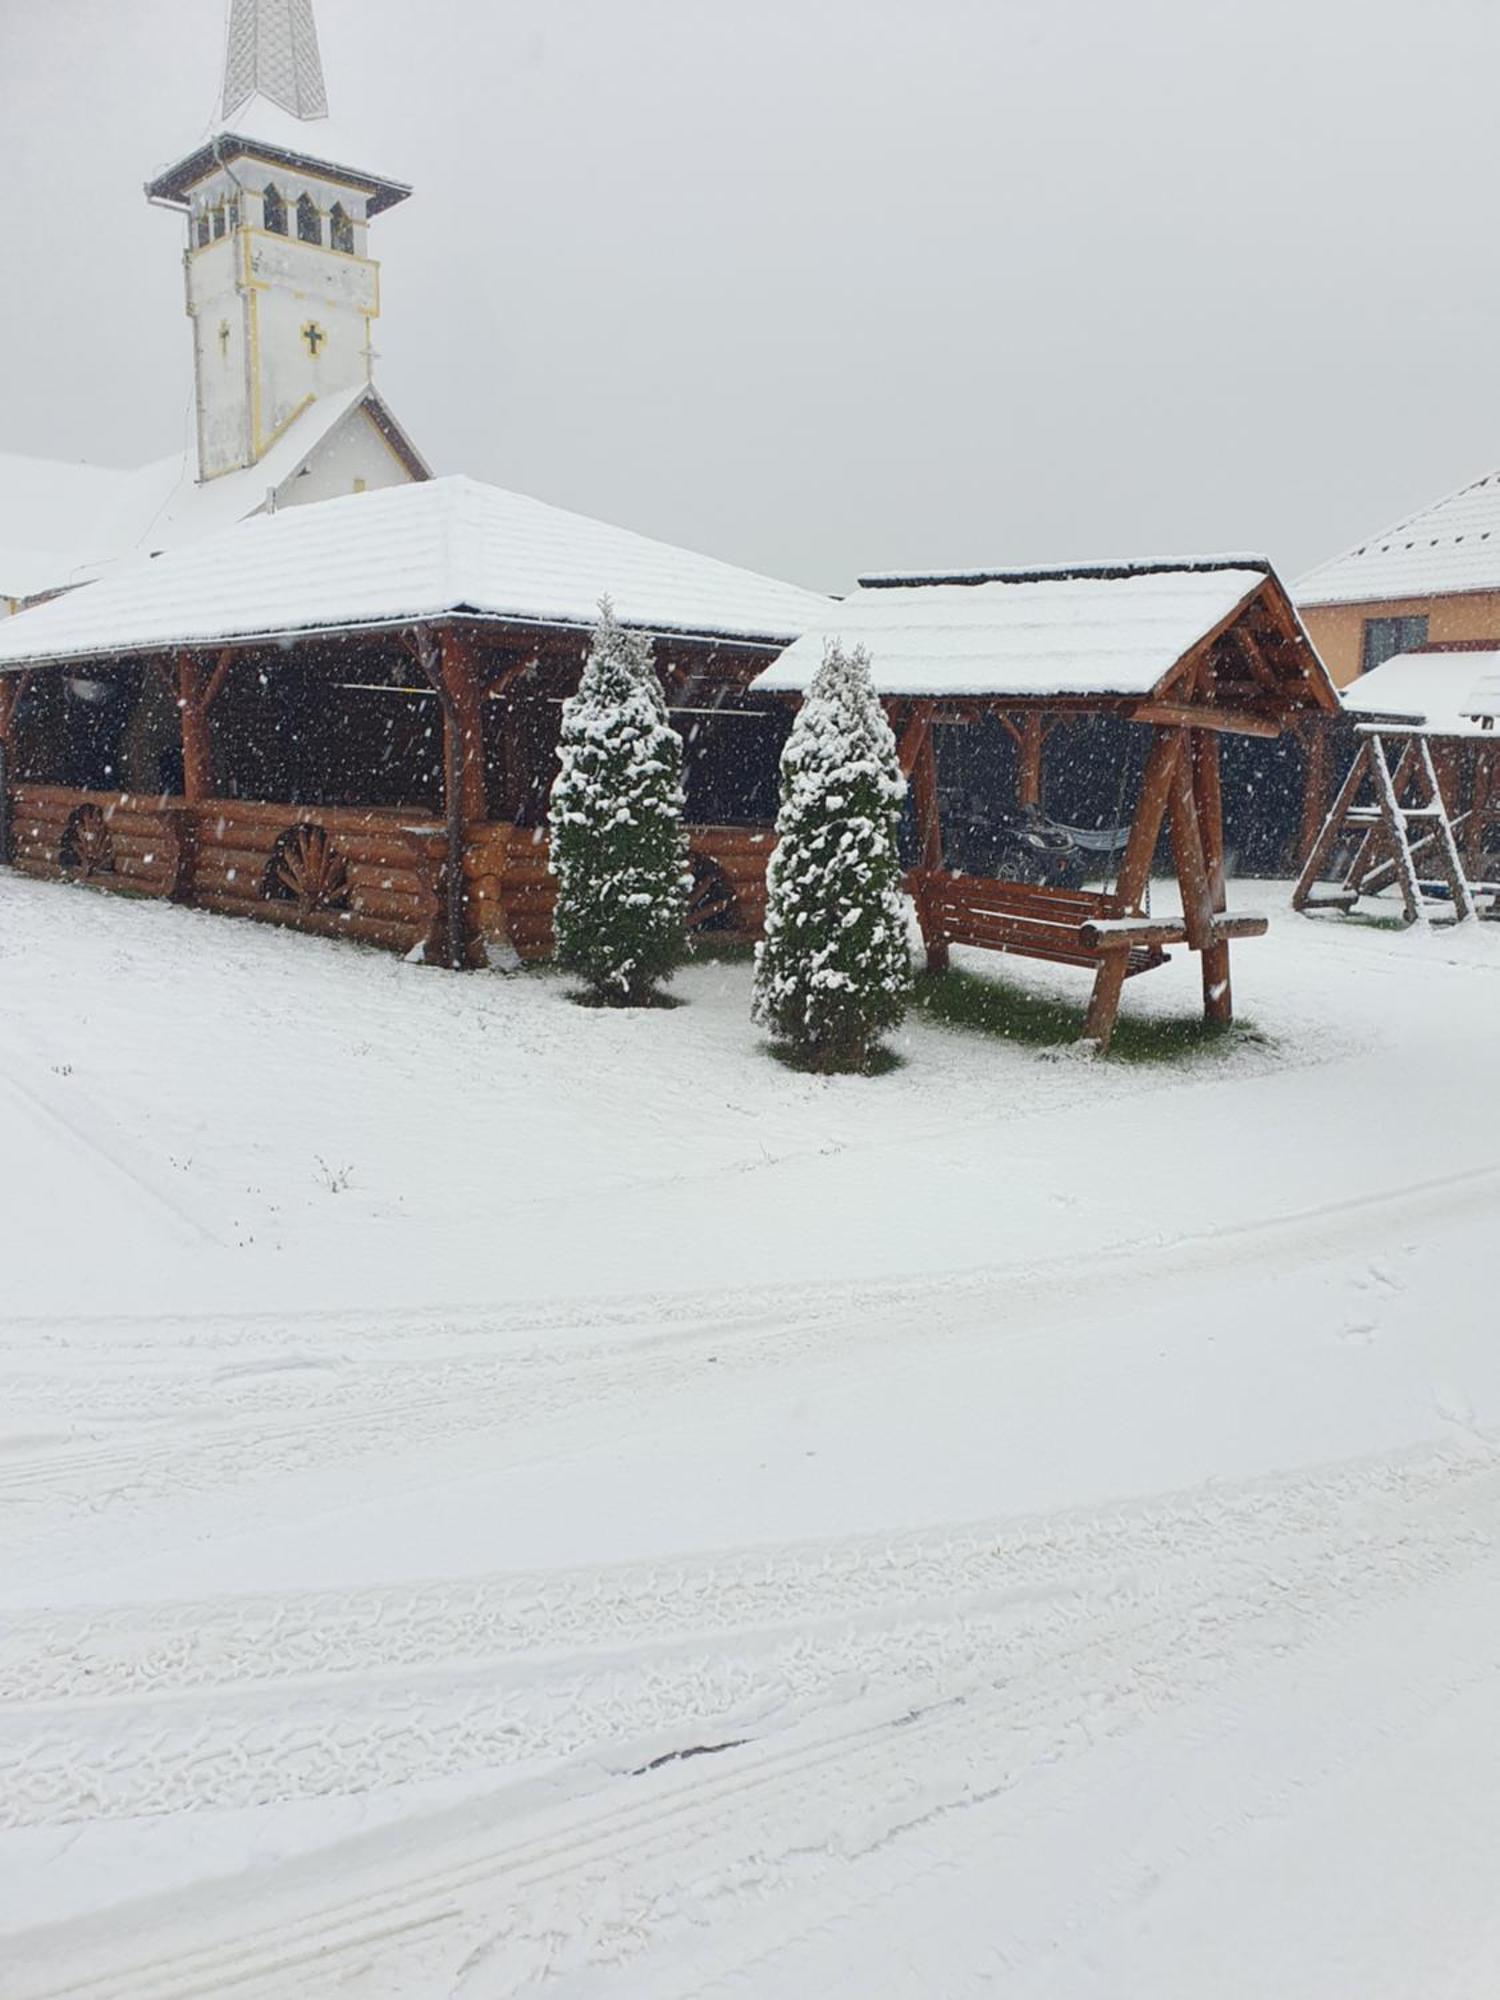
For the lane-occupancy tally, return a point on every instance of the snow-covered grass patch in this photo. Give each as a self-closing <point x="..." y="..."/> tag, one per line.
<point x="1016" y="1012"/>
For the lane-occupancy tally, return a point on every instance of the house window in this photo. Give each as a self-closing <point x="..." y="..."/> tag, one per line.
<point x="341" y="229"/>
<point x="309" y="221"/>
<point x="201" y="228"/>
<point x="218" y="222"/>
<point x="1385" y="637"/>
<point x="232" y="211"/>
<point x="273" y="209"/>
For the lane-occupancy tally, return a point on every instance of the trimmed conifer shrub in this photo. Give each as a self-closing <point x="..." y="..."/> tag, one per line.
<point x="615" y="825"/>
<point x="834" y="970"/>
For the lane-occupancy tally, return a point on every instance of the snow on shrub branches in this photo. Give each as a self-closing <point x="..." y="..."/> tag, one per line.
<point x="617" y="846"/>
<point x="834" y="970"/>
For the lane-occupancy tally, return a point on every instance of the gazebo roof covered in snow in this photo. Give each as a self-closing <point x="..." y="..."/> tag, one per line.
<point x="1448" y="692"/>
<point x="444" y="548"/>
<point x="1099" y="632"/>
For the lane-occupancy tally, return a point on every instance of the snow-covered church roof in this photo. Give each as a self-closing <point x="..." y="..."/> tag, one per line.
<point x="1442" y="550"/>
<point x="1108" y="629"/>
<point x="62" y="525"/>
<point x="443" y="547"/>
<point x="1446" y="691"/>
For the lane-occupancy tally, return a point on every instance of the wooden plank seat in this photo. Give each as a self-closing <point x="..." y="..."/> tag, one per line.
<point x="1064" y="926"/>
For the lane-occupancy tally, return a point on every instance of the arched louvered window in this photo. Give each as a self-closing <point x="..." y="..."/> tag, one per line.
<point x="273" y="210"/>
<point x="341" y="229"/>
<point x="309" y="221"/>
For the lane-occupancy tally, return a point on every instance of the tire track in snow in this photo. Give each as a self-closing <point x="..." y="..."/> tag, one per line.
<point x="608" y="1874"/>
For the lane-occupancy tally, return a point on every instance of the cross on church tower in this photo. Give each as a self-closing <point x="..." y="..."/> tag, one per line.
<point x="278" y="269"/>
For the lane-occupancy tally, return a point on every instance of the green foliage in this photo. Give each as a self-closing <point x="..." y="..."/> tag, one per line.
<point x="615" y="825"/>
<point x="834" y="970"/>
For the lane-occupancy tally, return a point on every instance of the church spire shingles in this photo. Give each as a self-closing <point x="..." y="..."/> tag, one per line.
<point x="273" y="50"/>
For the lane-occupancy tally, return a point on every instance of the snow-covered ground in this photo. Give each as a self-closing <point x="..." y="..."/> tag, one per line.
<point x="500" y="1498"/>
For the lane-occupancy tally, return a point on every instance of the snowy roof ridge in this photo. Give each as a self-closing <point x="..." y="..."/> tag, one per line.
<point x="1067" y="634"/>
<point x="403" y="554"/>
<point x="272" y="49"/>
<point x="1103" y="571"/>
<point x="115" y="517"/>
<point x="1450" y="546"/>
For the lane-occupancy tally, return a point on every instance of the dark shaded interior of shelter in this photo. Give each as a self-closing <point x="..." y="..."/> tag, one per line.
<point x="342" y="725"/>
<point x="1090" y="777"/>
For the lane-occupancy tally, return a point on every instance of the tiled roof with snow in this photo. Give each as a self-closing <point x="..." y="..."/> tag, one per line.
<point x="1443" y="690"/>
<point x="63" y="525"/>
<point x="405" y="553"/>
<point x="1448" y="548"/>
<point x="1105" y="629"/>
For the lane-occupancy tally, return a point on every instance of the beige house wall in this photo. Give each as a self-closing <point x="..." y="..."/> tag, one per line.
<point x="1337" y="630"/>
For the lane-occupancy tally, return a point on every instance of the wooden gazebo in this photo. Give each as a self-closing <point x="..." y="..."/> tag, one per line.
<point x="1186" y="651"/>
<point x="343" y="717"/>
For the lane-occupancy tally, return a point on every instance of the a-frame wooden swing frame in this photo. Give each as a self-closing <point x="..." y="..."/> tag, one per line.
<point x="1392" y="806"/>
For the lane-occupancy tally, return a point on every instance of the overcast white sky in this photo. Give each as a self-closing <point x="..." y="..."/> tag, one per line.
<point x="830" y="285"/>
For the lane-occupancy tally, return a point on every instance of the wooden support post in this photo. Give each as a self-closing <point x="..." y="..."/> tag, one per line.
<point x="197" y="744"/>
<point x="930" y="838"/>
<point x="1029" y="766"/>
<point x="1188" y="857"/>
<point x="1314" y="735"/>
<point x="9" y="696"/>
<point x="446" y="660"/>
<point x="1135" y="874"/>
<point x="12" y="687"/>
<point x="1218" y="997"/>
<point x="465" y="719"/>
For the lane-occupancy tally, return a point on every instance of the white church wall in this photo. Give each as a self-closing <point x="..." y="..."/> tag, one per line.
<point x="353" y="458"/>
<point x="310" y="328"/>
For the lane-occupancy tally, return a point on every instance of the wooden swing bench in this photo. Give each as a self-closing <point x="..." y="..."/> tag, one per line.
<point x="1081" y="927"/>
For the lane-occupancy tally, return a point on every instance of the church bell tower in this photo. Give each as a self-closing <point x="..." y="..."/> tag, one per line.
<point x="281" y="289"/>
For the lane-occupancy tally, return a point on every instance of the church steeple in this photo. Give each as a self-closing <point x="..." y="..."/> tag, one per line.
<point x="273" y="53"/>
<point x="281" y="290"/>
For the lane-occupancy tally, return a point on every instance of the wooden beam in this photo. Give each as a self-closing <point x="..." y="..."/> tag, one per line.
<point x="1135" y="873"/>
<point x="1186" y="668"/>
<point x="1313" y="732"/>
<point x="1224" y="721"/>
<point x="465" y="716"/>
<point x="1244" y="644"/>
<point x="197" y="742"/>
<point x="12" y="693"/>
<point x="924" y="791"/>
<point x="1218" y="997"/>
<point x="1188" y="858"/>
<point x="1029" y="768"/>
<point x="909" y="743"/>
<point x="217" y="677"/>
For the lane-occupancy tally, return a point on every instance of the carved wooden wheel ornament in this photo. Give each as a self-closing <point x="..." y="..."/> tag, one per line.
<point x="87" y="848"/>
<point x="307" y="869"/>
<point x="711" y="900"/>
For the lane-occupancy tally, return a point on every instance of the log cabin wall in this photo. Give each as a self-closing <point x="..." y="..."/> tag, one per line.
<point x="326" y="723"/>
